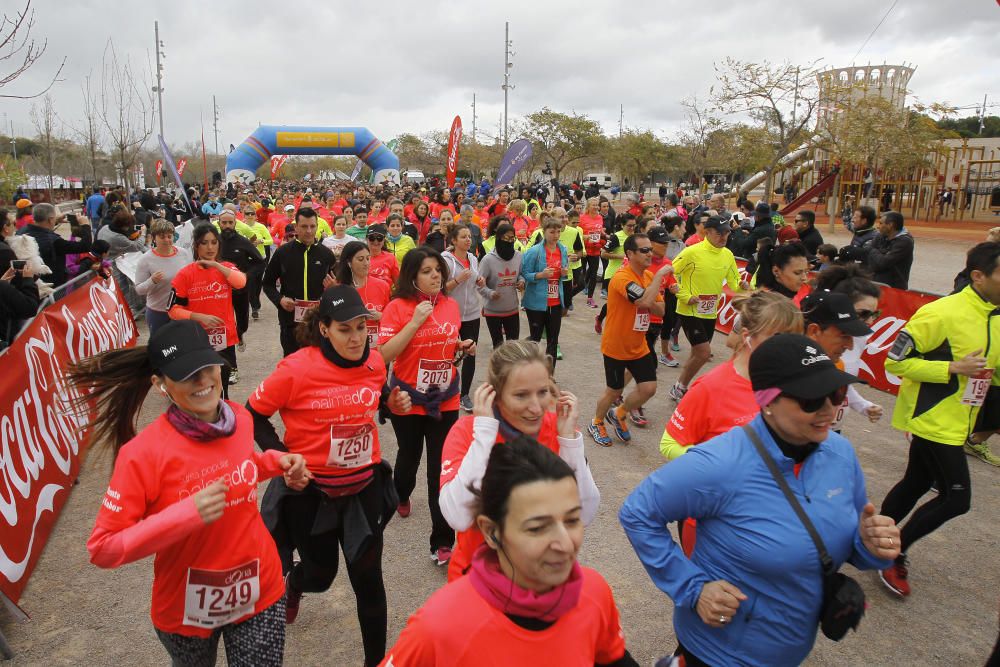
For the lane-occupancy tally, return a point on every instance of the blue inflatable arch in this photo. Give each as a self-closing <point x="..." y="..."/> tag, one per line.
<point x="268" y="140"/>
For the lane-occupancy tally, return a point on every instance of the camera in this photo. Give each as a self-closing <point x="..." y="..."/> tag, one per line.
<point x="137" y="228"/>
<point x="18" y="264"/>
<point x="72" y="219"/>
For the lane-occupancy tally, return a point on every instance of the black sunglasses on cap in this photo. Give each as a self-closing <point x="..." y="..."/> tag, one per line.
<point x="376" y="237"/>
<point x="836" y="397"/>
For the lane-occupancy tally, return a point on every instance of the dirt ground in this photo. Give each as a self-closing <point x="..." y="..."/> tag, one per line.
<point x="81" y="615"/>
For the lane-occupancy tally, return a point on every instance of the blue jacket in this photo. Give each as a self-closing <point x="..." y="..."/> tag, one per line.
<point x="209" y="209"/>
<point x="749" y="535"/>
<point x="535" y="290"/>
<point x="94" y="204"/>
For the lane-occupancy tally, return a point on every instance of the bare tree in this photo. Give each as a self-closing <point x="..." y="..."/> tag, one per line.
<point x="700" y="137"/>
<point x="125" y="109"/>
<point x="90" y="133"/>
<point x="45" y="121"/>
<point x="18" y="51"/>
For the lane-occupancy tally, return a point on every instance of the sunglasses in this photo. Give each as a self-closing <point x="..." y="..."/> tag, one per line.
<point x="644" y="251"/>
<point x="376" y="237"/>
<point x="836" y="397"/>
<point x="869" y="315"/>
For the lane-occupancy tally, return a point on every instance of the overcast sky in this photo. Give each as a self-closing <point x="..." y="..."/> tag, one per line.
<point x="412" y="66"/>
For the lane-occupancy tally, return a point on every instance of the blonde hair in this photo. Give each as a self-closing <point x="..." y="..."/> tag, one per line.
<point x="161" y="226"/>
<point x="767" y="312"/>
<point x="517" y="206"/>
<point x="993" y="236"/>
<point x="511" y="354"/>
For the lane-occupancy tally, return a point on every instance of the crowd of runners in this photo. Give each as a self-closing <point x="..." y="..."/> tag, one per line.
<point x="380" y="292"/>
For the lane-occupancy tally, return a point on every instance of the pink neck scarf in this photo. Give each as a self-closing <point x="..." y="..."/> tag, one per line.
<point x="497" y="589"/>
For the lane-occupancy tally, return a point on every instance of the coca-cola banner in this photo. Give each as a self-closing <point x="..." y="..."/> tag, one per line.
<point x="454" y="139"/>
<point x="897" y="307"/>
<point x="42" y="434"/>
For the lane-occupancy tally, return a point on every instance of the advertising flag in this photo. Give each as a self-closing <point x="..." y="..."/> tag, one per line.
<point x="357" y="170"/>
<point x="515" y="158"/>
<point x="168" y="160"/>
<point x="181" y="166"/>
<point x="159" y="170"/>
<point x="454" y="139"/>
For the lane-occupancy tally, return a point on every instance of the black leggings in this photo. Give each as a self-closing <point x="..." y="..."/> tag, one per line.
<point x="503" y="328"/>
<point x="411" y="433"/>
<point x="229" y="354"/>
<point x="259" y="641"/>
<point x="549" y="320"/>
<point x="319" y="557"/>
<point x="590" y="264"/>
<point x="469" y="329"/>
<point x="929" y="462"/>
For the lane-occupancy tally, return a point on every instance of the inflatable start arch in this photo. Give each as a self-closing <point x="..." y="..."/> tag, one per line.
<point x="268" y="140"/>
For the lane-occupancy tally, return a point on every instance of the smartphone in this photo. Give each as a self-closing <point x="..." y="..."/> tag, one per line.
<point x="71" y="219"/>
<point x="18" y="264"/>
<point x="137" y="228"/>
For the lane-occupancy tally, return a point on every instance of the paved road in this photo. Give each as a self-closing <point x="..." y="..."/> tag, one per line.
<point x="83" y="615"/>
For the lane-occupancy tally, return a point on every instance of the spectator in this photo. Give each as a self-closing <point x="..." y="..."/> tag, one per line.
<point x="863" y="225"/>
<point x="890" y="255"/>
<point x="805" y="225"/>
<point x="826" y="255"/>
<point x="7" y="229"/>
<point x="52" y="247"/>
<point x="95" y="203"/>
<point x="746" y="241"/>
<point x="96" y="260"/>
<point x="18" y="300"/>
<point x="23" y="213"/>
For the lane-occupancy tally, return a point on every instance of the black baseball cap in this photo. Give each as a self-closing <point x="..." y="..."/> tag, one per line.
<point x="342" y="303"/>
<point x="761" y="211"/>
<point x="717" y="223"/>
<point x="824" y="308"/>
<point x="180" y="348"/>
<point x="658" y="234"/>
<point x="377" y="229"/>
<point x="797" y="366"/>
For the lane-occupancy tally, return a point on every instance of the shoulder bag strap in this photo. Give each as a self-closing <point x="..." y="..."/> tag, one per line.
<point x="824" y="556"/>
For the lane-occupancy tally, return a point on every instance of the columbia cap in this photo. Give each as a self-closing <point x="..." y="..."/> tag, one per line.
<point x="826" y="308"/>
<point x="797" y="366"/>
<point x="179" y="349"/>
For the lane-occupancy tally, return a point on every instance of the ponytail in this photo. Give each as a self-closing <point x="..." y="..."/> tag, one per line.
<point x="114" y="385"/>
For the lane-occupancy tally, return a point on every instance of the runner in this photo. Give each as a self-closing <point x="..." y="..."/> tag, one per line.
<point x="419" y="333"/>
<point x="239" y="251"/>
<point x="328" y="394"/>
<point x="526" y="601"/>
<point x="185" y="490"/>
<point x="397" y="241"/>
<point x="340" y="238"/>
<point x="359" y="229"/>
<point x="613" y="255"/>
<point x="302" y="266"/>
<point x="947" y="356"/>
<point x="572" y="237"/>
<point x="543" y="268"/>
<point x="634" y="294"/>
<point x="354" y="269"/>
<point x="155" y="271"/>
<point x="465" y="286"/>
<point x="203" y="291"/>
<point x="260" y="237"/>
<point x="501" y="269"/>
<point x="594" y="236"/>
<point x="520" y="398"/>
<point x="701" y="270"/>
<point x="383" y="262"/>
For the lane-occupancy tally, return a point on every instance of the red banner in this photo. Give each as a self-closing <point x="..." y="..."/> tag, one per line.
<point x="454" y="139"/>
<point x="276" y="163"/>
<point x="159" y="171"/>
<point x="43" y="436"/>
<point x="897" y="307"/>
<point x="181" y="166"/>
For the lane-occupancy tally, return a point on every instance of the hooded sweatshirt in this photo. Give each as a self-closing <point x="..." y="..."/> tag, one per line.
<point x="467" y="293"/>
<point x="501" y="276"/>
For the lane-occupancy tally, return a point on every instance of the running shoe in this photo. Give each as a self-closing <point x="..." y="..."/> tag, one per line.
<point x="403" y="509"/>
<point x="895" y="578"/>
<point x="604" y="294"/>
<point x="292" y="600"/>
<point x="600" y="434"/>
<point x="466" y="403"/>
<point x="234" y="376"/>
<point x="676" y="392"/>
<point x="675" y="344"/>
<point x="598" y="324"/>
<point x="982" y="452"/>
<point x="668" y="360"/>
<point x="558" y="353"/>
<point x="619" y="425"/>
<point x="638" y="417"/>
<point x="591" y="303"/>
<point x="255" y="314"/>
<point x="441" y="555"/>
<point x="241" y="346"/>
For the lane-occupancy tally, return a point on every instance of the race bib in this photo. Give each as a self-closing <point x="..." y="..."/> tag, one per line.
<point x="301" y="306"/>
<point x="641" y="322"/>
<point x="372" y="337"/>
<point x="976" y="388"/>
<point x="553" y="290"/>
<point x="351" y="445"/>
<point x="707" y="304"/>
<point x="839" y="417"/>
<point x="432" y="373"/>
<point x="217" y="338"/>
<point x="595" y="237"/>
<point x="216" y="597"/>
